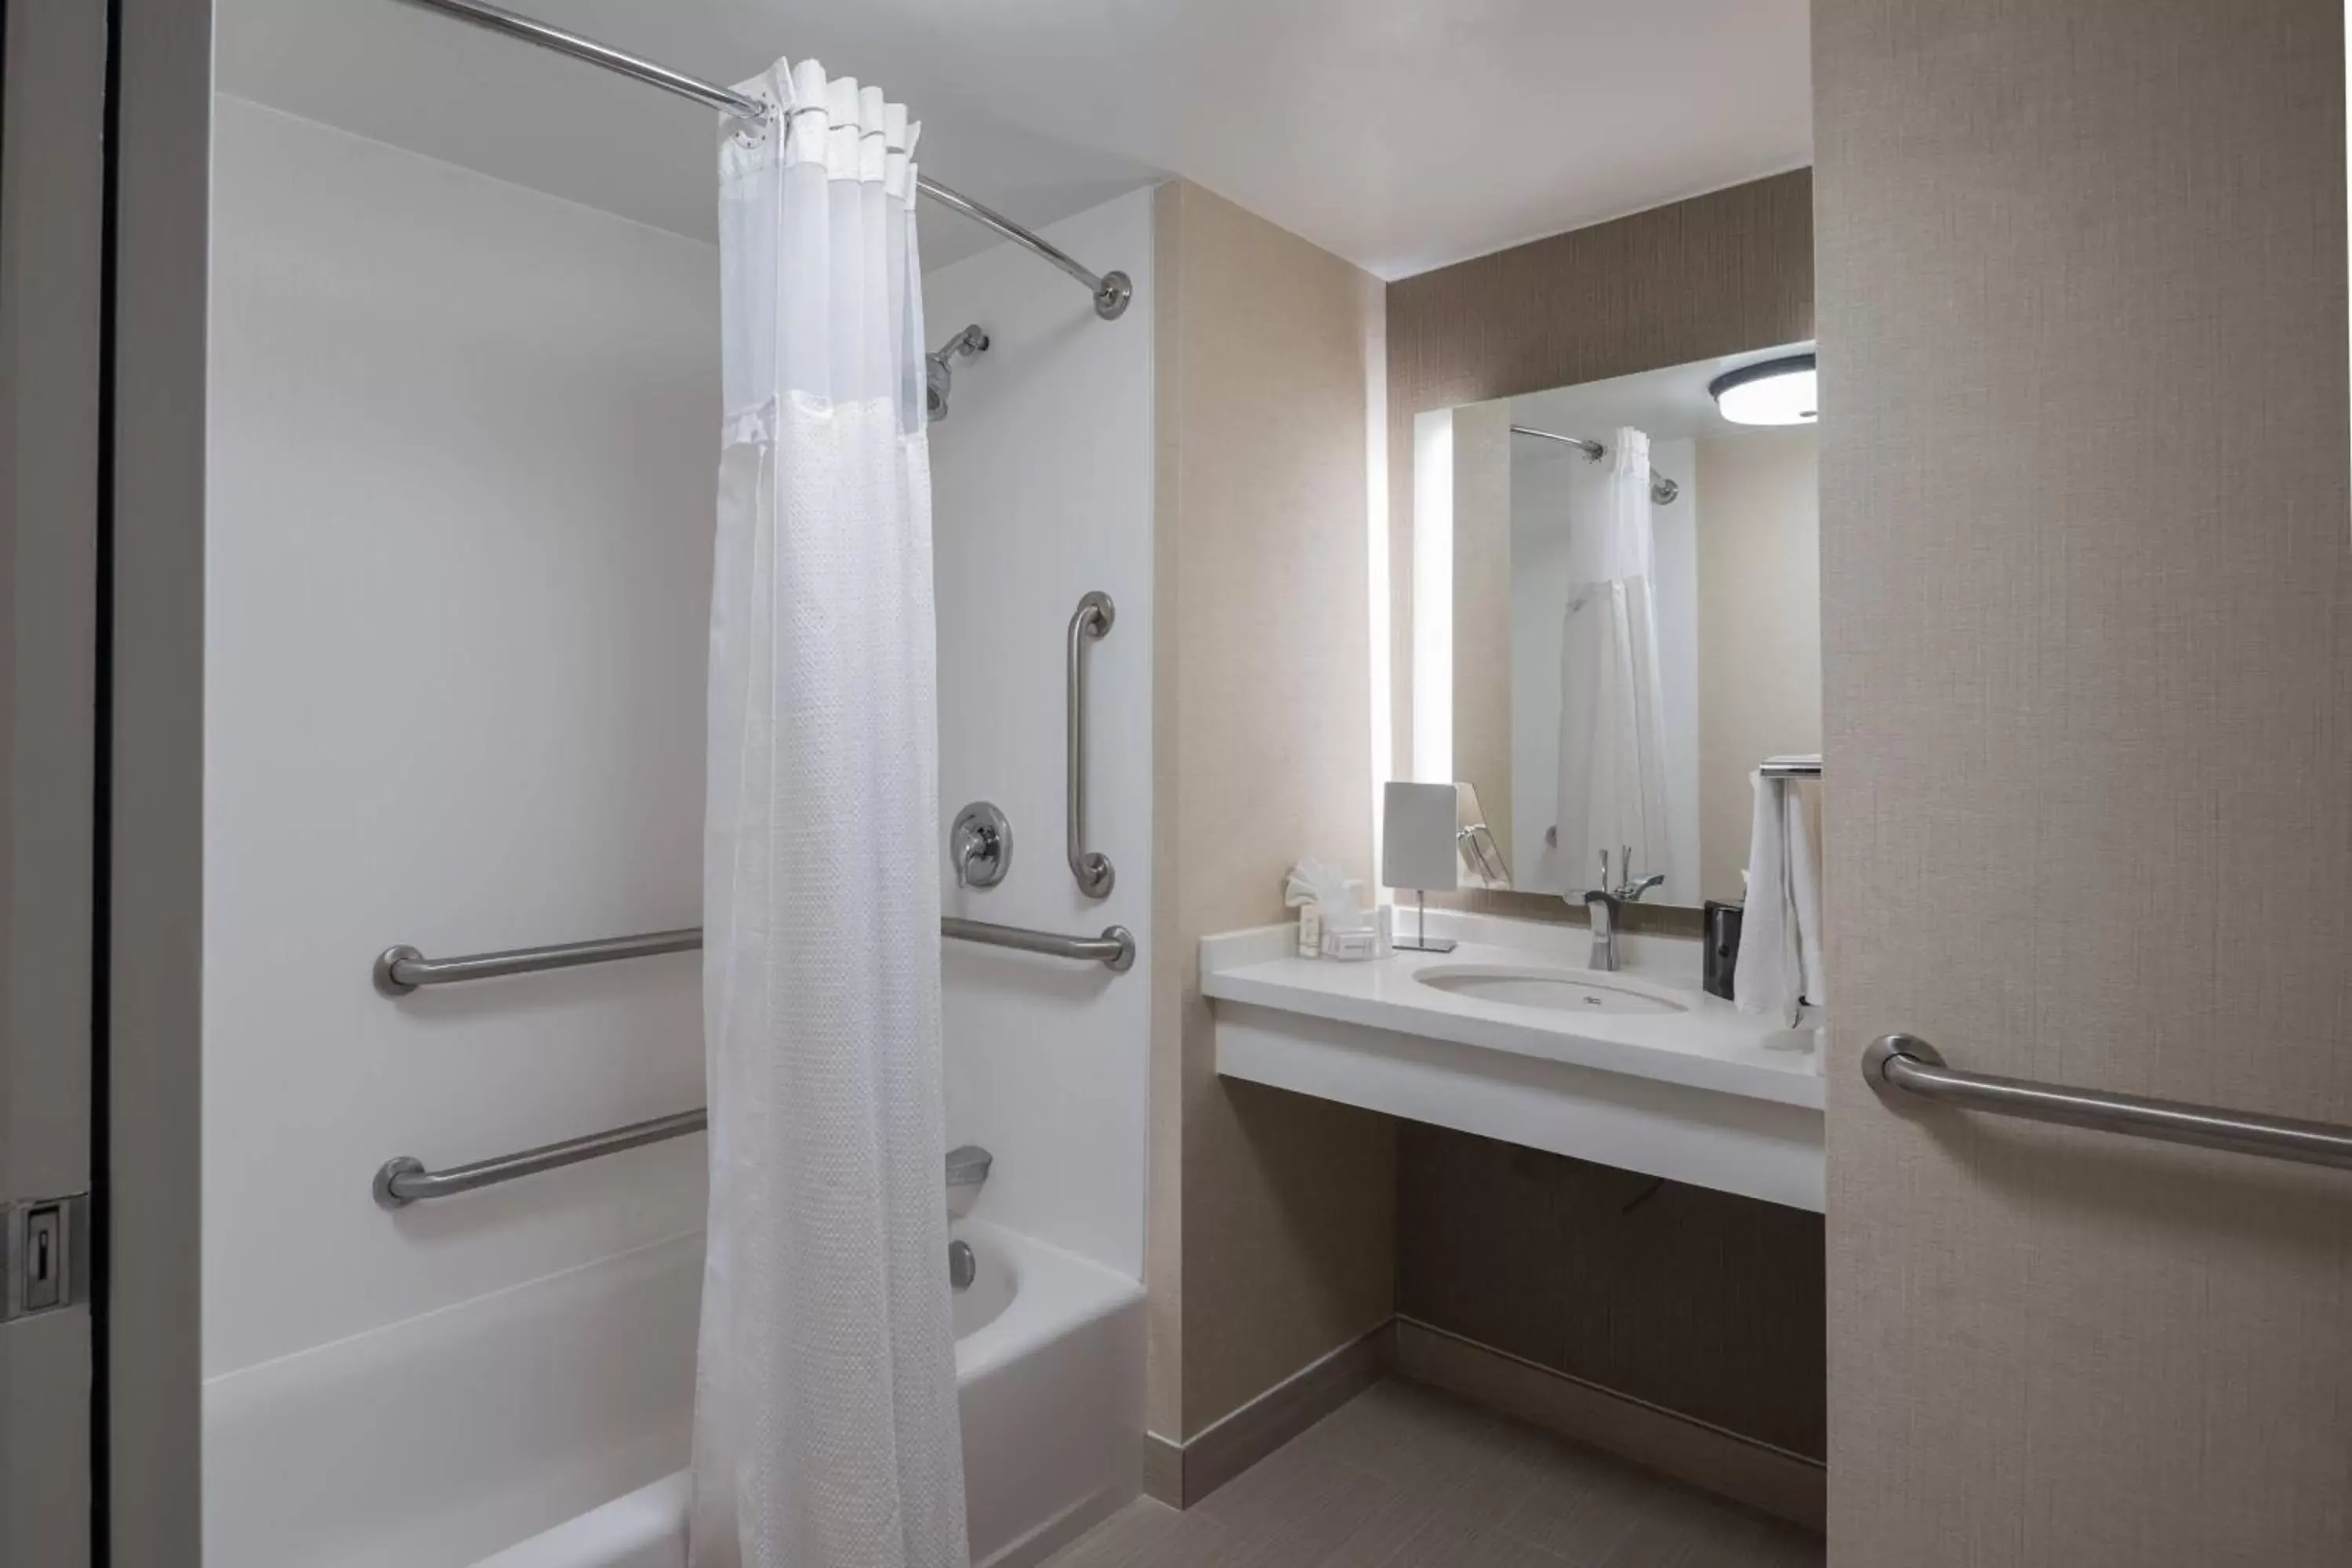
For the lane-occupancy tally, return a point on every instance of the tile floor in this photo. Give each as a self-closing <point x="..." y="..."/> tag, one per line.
<point x="1405" y="1474"/>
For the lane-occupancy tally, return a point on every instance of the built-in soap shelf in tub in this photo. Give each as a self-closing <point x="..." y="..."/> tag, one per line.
<point x="1510" y="1037"/>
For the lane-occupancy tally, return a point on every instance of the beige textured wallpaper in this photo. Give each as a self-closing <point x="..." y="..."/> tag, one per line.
<point x="1759" y="629"/>
<point x="1272" y="1216"/>
<point x="2088" y="622"/>
<point x="1482" y="610"/>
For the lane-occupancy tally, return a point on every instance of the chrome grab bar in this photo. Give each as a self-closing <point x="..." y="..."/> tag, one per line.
<point x="1091" y="620"/>
<point x="401" y="970"/>
<point x="1114" y="950"/>
<point x="1910" y="1064"/>
<point x="403" y="1180"/>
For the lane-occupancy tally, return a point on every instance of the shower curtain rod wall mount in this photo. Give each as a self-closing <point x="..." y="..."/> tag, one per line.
<point x="1112" y="291"/>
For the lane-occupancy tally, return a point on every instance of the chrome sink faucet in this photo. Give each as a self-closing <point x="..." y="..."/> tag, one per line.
<point x="1628" y="889"/>
<point x="1600" y="908"/>
<point x="1605" y="903"/>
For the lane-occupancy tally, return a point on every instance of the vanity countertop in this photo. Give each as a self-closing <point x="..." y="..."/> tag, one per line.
<point x="1711" y="1045"/>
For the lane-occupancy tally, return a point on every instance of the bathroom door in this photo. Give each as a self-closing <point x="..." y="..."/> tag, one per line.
<point x="2088" y="616"/>
<point x="52" y="105"/>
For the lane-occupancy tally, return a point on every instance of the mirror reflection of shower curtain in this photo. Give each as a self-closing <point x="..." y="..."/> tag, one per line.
<point x="1613" y="782"/>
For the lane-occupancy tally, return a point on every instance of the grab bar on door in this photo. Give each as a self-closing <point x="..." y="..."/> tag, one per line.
<point x="1091" y="621"/>
<point x="402" y="969"/>
<point x="1910" y="1064"/>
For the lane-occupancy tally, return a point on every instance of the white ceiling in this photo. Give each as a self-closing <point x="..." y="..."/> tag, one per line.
<point x="1401" y="135"/>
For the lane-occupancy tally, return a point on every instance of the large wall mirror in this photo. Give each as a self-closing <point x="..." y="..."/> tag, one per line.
<point x="1617" y="619"/>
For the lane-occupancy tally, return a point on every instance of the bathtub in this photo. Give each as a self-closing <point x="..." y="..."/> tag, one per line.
<point x="547" y="1426"/>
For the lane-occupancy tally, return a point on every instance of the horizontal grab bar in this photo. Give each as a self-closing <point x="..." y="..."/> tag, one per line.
<point x="1910" y="1064"/>
<point x="401" y="970"/>
<point x="404" y="1179"/>
<point x="1114" y="950"/>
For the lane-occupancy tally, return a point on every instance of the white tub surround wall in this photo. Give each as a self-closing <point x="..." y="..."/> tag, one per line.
<point x="1706" y="1095"/>
<point x="1041" y="491"/>
<point x="457" y="574"/>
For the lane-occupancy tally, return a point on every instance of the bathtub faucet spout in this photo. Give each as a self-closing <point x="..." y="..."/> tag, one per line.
<point x="967" y="1174"/>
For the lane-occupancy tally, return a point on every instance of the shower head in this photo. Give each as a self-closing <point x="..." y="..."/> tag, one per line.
<point x="938" y="377"/>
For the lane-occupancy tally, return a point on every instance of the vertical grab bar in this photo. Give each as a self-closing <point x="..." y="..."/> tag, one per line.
<point x="1092" y="869"/>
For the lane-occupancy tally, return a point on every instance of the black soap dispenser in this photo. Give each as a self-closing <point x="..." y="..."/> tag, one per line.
<point x="1722" y="948"/>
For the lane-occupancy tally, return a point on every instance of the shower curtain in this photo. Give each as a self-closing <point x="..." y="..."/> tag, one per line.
<point x="825" y="1419"/>
<point x="1613" y="780"/>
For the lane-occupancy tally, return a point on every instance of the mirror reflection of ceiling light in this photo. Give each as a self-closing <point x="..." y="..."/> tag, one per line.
<point x="1777" y="392"/>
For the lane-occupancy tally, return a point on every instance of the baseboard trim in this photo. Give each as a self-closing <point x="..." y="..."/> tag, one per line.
<point x="1059" y="1531"/>
<point x="1789" y="1486"/>
<point x="1181" y="1474"/>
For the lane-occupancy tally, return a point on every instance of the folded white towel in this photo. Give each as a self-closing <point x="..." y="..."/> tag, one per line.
<point x="1780" y="931"/>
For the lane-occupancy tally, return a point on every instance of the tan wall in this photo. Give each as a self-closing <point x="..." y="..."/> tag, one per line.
<point x="1759" y="629"/>
<point x="1272" y="1216"/>
<point x="2087" y="600"/>
<point x="1482" y="610"/>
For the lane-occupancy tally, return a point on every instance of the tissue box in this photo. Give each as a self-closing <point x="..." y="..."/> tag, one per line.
<point x="1362" y="942"/>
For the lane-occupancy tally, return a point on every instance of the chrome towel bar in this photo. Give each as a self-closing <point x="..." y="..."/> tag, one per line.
<point x="404" y="1179"/>
<point x="1910" y="1064"/>
<point x="1090" y="622"/>
<point x="401" y="970"/>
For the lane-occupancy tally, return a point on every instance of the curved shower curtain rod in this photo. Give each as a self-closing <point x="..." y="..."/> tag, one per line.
<point x="1663" y="490"/>
<point x="1111" y="289"/>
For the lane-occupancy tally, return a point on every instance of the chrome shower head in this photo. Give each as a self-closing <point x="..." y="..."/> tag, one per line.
<point x="937" y="378"/>
<point x="937" y="375"/>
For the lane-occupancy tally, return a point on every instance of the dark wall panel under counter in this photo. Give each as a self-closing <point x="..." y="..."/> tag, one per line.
<point x="1705" y="1303"/>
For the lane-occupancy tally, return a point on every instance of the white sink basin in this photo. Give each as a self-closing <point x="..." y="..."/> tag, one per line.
<point x="1554" y="990"/>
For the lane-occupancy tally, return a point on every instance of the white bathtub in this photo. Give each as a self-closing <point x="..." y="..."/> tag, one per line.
<point x="546" y="1426"/>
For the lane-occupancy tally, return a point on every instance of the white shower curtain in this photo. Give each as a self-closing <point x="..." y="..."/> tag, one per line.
<point x="825" y="1419"/>
<point x="1613" y="778"/>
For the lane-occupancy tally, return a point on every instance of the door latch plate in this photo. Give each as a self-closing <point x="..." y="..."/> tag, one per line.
<point x="44" y="1255"/>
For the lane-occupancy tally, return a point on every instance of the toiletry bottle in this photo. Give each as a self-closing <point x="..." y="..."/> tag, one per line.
<point x="1384" y="926"/>
<point x="1310" y="931"/>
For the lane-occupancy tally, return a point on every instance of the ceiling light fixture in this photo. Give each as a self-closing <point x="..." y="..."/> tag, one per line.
<point x="1777" y="392"/>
